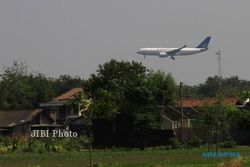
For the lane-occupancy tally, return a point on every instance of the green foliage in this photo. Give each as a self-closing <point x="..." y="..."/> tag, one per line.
<point x="76" y="144"/>
<point x="35" y="145"/>
<point x="5" y="141"/>
<point x="83" y="104"/>
<point x="104" y="105"/>
<point x="42" y="145"/>
<point x="162" y="87"/>
<point x="189" y="91"/>
<point x="175" y="143"/>
<point x="195" y="142"/>
<point x="231" y="86"/>
<point x="245" y="95"/>
<point x="228" y="143"/>
<point x="98" y="164"/>
<point x="216" y="118"/>
<point x="219" y="119"/>
<point x="66" y="82"/>
<point x="3" y="150"/>
<point x="20" y="90"/>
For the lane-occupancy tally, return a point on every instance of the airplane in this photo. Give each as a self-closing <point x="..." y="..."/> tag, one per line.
<point x="172" y="52"/>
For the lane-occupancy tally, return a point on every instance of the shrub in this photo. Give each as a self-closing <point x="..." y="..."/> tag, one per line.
<point x="35" y="145"/>
<point x="76" y="144"/>
<point x="5" y="141"/>
<point x="174" y="143"/>
<point x="58" y="148"/>
<point x="194" y="142"/>
<point x="3" y="149"/>
<point x="228" y="143"/>
<point x="51" y="144"/>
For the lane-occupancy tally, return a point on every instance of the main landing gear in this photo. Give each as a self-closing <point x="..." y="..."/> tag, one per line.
<point x="172" y="57"/>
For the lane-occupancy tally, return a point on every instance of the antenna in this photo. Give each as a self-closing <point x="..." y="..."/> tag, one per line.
<point x="218" y="53"/>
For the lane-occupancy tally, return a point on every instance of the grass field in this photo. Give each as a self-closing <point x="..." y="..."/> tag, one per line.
<point x="124" y="158"/>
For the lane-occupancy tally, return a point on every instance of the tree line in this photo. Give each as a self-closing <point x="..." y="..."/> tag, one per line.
<point x="129" y="89"/>
<point x="126" y="82"/>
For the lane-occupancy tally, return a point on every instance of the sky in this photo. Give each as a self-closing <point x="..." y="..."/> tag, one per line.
<point x="57" y="37"/>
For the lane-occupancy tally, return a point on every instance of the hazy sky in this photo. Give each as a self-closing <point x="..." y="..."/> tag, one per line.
<point x="73" y="37"/>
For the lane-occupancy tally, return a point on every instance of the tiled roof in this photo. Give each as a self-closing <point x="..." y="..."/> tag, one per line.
<point x="69" y="94"/>
<point x="197" y="102"/>
<point x="174" y="113"/>
<point x="11" y="118"/>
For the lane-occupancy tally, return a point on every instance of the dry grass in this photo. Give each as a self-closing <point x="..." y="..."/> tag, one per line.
<point x="232" y="163"/>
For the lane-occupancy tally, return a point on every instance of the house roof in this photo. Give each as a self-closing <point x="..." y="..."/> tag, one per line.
<point x="13" y="118"/>
<point x="174" y="113"/>
<point x="198" y="102"/>
<point x="68" y="95"/>
<point x="62" y="99"/>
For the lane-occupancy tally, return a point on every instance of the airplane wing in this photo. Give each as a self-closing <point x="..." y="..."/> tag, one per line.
<point x="173" y="52"/>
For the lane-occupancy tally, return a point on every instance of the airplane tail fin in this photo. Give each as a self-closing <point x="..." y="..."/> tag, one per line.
<point x="204" y="43"/>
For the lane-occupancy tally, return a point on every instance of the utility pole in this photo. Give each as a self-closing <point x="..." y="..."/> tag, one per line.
<point x="181" y="106"/>
<point x="218" y="53"/>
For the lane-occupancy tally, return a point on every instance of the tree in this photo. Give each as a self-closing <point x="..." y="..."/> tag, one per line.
<point x="12" y="85"/>
<point x="245" y="95"/>
<point x="104" y="105"/>
<point x="217" y="122"/>
<point x="121" y="89"/>
<point x="66" y="82"/>
<point x="22" y="90"/>
<point x="240" y="125"/>
<point x="210" y="87"/>
<point x="84" y="105"/>
<point x="118" y="80"/>
<point x="162" y="86"/>
<point x="232" y="86"/>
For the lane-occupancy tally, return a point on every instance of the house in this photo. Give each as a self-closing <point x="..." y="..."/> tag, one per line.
<point x="55" y="114"/>
<point x="63" y="113"/>
<point x="18" y="123"/>
<point x="59" y="108"/>
<point x="171" y="116"/>
<point x="171" y="119"/>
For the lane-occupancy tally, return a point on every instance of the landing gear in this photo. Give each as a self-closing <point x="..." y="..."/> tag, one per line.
<point x="144" y="56"/>
<point x="172" y="57"/>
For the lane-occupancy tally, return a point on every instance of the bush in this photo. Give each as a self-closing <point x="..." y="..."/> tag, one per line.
<point x="53" y="144"/>
<point x="194" y="142"/>
<point x="3" y="149"/>
<point x="40" y="145"/>
<point x="35" y="145"/>
<point x="58" y="148"/>
<point x="228" y="143"/>
<point x="76" y="144"/>
<point x="174" y="143"/>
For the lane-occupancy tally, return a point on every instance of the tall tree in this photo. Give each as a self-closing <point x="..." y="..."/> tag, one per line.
<point x="119" y="80"/>
<point x="21" y="90"/>
<point x="217" y="121"/>
<point x="162" y="86"/>
<point x="66" y="82"/>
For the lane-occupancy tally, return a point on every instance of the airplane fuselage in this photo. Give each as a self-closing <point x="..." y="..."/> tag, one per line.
<point x="158" y="51"/>
<point x="172" y="52"/>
